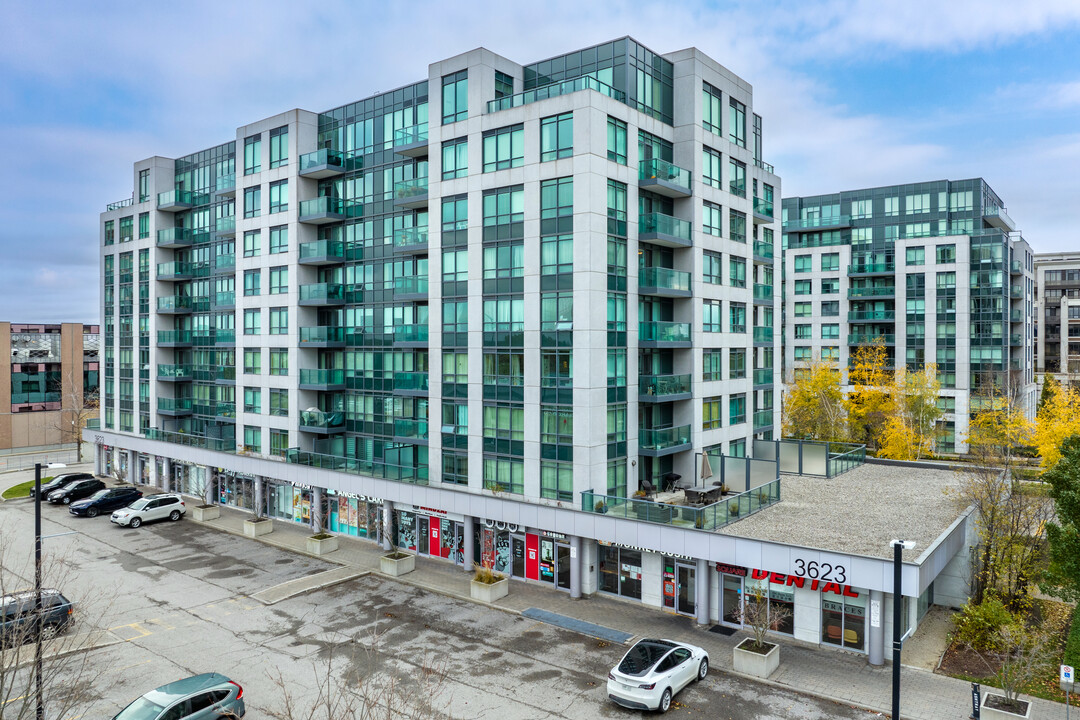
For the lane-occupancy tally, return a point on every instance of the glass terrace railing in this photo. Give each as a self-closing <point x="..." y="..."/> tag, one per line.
<point x="666" y="225"/>
<point x="415" y="187"/>
<point x="372" y="468"/>
<point x="316" y="376"/>
<point x="409" y="428"/>
<point x="666" y="278"/>
<point x="174" y="236"/>
<point x="661" y="385"/>
<point x="657" y="169"/>
<point x="173" y="404"/>
<point x="326" y="156"/>
<point x="405" y="237"/>
<point x="763" y="249"/>
<point x="173" y="303"/>
<point x="322" y="333"/>
<point x="861" y="292"/>
<point x="411" y="333"/>
<point x="173" y="336"/>
<point x="322" y="291"/>
<point x="554" y="90"/>
<point x="865" y="315"/>
<point x="411" y="381"/>
<point x="763" y="207"/>
<point x="411" y="135"/>
<point x="207" y="443"/>
<point x="763" y="334"/>
<point x="664" y="438"/>
<point x="763" y="292"/>
<point x="659" y="331"/>
<point x="709" y="517"/>
<point x="322" y="248"/>
<point x="413" y="285"/>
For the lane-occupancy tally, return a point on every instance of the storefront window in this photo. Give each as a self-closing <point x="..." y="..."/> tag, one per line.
<point x="289" y="503"/>
<point x="238" y="492"/>
<point x="778" y="595"/>
<point x="352" y="516"/>
<point x="620" y="571"/>
<point x="843" y="620"/>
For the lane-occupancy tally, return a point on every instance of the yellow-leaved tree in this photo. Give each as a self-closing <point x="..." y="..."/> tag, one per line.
<point x="999" y="425"/>
<point x="814" y="404"/>
<point x="870" y="400"/>
<point x="1058" y="418"/>
<point x="908" y="432"/>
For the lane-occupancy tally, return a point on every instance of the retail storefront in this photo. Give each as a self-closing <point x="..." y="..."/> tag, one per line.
<point x="525" y="553"/>
<point x="289" y="502"/>
<point x="354" y="515"/>
<point x="236" y="491"/>
<point x="431" y="532"/>
<point x="635" y="573"/>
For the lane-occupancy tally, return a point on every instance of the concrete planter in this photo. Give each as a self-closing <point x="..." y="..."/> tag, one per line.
<point x="988" y="713"/>
<point x="322" y="544"/>
<point x="489" y="592"/>
<point x="756" y="664"/>
<point x="255" y="528"/>
<point x="202" y="513"/>
<point x="396" y="564"/>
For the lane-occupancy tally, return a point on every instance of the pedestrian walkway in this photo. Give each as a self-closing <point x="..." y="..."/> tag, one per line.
<point x="830" y="674"/>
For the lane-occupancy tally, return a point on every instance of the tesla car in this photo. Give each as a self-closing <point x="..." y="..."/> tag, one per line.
<point x="105" y="500"/>
<point x="200" y="697"/>
<point x="651" y="672"/>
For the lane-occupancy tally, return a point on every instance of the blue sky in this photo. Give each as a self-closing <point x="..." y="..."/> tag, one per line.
<point x="853" y="93"/>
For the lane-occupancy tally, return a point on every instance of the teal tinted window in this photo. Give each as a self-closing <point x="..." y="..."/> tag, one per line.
<point x="737" y="122"/>
<point x="616" y="140"/>
<point x="504" y="148"/>
<point x="455" y="159"/>
<point x="712" y="109"/>
<point x="455" y="97"/>
<point x="557" y="137"/>
<point x="279" y="146"/>
<point x="252" y="154"/>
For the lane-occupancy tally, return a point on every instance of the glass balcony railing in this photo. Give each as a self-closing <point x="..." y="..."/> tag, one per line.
<point x="321" y="419"/>
<point x="763" y="419"/>
<point x="1016" y="316"/>
<point x="863" y="339"/>
<point x="408" y="237"/>
<point x="322" y="292"/>
<point x="763" y="249"/>
<point x="664" y="278"/>
<point x="411" y="333"/>
<point x="862" y="292"/>
<point x="1016" y="339"/>
<point x="763" y="334"/>
<point x="175" y="236"/>
<point x="191" y="440"/>
<point x="763" y="207"/>
<point x="322" y="158"/>
<point x="816" y="223"/>
<point x="322" y="376"/>
<point x="414" y="285"/>
<point x="555" y="90"/>
<point x="322" y="334"/>
<point x="406" y="189"/>
<point x="763" y="376"/>
<point x="409" y="428"/>
<point x="657" y="169"/>
<point x="1016" y="267"/>
<point x="224" y="337"/>
<point x="225" y="410"/>
<point x="663" y="439"/>
<point x="225" y="262"/>
<point x="225" y="225"/>
<point x="661" y="224"/>
<point x="181" y="371"/>
<point x="411" y="135"/>
<point x="705" y="518"/>
<point x="659" y="331"/>
<point x="176" y="197"/>
<point x="869" y="268"/>
<point x="763" y="292"/>
<point x="224" y="299"/>
<point x="173" y="303"/>
<point x="327" y="206"/>
<point x="663" y="385"/>
<point x="175" y="270"/>
<point x="417" y="381"/>
<point x="1016" y="292"/>
<point x="370" y="468"/>
<point x="165" y="404"/>
<point x="226" y="182"/>
<point x="865" y="315"/>
<point x="172" y="337"/>
<point x="322" y="249"/>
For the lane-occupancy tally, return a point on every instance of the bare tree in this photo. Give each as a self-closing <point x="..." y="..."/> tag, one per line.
<point x="77" y="405"/>
<point x="761" y="618"/>
<point x="1018" y="656"/>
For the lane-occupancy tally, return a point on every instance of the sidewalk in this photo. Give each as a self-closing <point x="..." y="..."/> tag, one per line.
<point x="833" y="675"/>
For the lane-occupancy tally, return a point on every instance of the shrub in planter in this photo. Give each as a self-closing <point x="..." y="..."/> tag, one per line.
<point x="733" y="508"/>
<point x="754" y="655"/>
<point x="488" y="585"/>
<point x="600" y="506"/>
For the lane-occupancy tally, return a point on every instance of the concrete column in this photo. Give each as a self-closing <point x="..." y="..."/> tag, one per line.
<point x="134" y="476"/>
<point x="701" y="591"/>
<point x="260" y="497"/>
<point x="468" y="545"/>
<point x="876" y="633"/>
<point x="317" y="521"/>
<point x="208" y="484"/>
<point x="575" y="566"/>
<point x="387" y="524"/>
<point x="115" y="458"/>
<point x="99" y="460"/>
<point x="154" y="483"/>
<point x="167" y="471"/>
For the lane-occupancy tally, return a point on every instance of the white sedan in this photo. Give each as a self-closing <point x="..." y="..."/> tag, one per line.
<point x="152" y="507"/>
<point x="652" y="671"/>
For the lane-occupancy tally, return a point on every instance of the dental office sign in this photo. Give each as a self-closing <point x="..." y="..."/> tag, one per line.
<point x="789" y="580"/>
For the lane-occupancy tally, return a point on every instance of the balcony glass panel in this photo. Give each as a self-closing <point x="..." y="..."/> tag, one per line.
<point x="322" y="291"/>
<point x="663" y="439"/>
<point x="661" y="385"/>
<point x="664" y="224"/>
<point x="657" y="169"/>
<point x="659" y="277"/>
<point x="315" y="376"/>
<point x="657" y="331"/>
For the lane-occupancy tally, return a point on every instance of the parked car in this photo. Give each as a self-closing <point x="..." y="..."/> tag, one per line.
<point x="75" y="490"/>
<point x="153" y="507"/>
<point x="651" y="672"/>
<point x="59" y="481"/>
<point x="19" y="618"/>
<point x="105" y="500"/>
<point x="200" y="697"/>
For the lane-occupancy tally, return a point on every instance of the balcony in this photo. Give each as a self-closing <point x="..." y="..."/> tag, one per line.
<point x="411" y="383"/>
<point x="874" y="291"/>
<point x="885" y="268"/>
<point x="871" y="315"/>
<point x="861" y="339"/>
<point x="323" y="210"/>
<point x="323" y="164"/>
<point x="200" y="441"/>
<point x="763" y="335"/>
<point x="411" y="194"/>
<point x="763" y="251"/>
<point x="175" y="271"/>
<point x="763" y="210"/>
<point x="322" y="252"/>
<point x="177" y="237"/>
<point x="174" y="305"/>
<point x="407" y="430"/>
<point x="225" y="263"/>
<point x="664" y="178"/>
<point x="224" y="338"/>
<point x="174" y="373"/>
<point x="322" y="379"/>
<point x="322" y="295"/>
<point x="412" y="141"/>
<point x="1016" y="292"/>
<point x="322" y="336"/>
<point x="174" y="407"/>
<point x="1016" y="267"/>
<point x="224" y="300"/>
<point x="1016" y="339"/>
<point x="411" y="241"/>
<point x="178" y="200"/>
<point x="412" y="335"/>
<point x="555" y="90"/>
<point x="833" y="222"/>
<point x="665" y="230"/>
<point x="758" y="162"/>
<point x="667" y="441"/>
<point x="225" y="411"/>
<point x="412" y="288"/>
<point x="763" y="376"/>
<point x="763" y="420"/>
<point x="998" y="218"/>
<point x="1016" y="316"/>
<point x="226" y="185"/>
<point x="322" y="423"/>
<point x="174" y="338"/>
<point x="663" y="282"/>
<point x="225" y="226"/>
<point x="659" y="334"/>
<point x="763" y="294"/>
<point x="663" y="388"/>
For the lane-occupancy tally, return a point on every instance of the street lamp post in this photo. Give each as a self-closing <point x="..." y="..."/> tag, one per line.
<point x="39" y="625"/>
<point x="897" y="602"/>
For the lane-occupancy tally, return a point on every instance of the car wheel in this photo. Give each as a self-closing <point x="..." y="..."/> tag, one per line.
<point x="135" y="522"/>
<point x="665" y="701"/>
<point x="174" y="515"/>
<point x="67" y="501"/>
<point x="49" y="632"/>
<point x="92" y="512"/>
<point x="703" y="669"/>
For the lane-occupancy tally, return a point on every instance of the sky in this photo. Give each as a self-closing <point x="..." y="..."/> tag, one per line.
<point x="853" y="93"/>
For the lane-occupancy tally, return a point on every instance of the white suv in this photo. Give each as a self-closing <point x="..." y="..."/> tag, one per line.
<point x="154" y="507"/>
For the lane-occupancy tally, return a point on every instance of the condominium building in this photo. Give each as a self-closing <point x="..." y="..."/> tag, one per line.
<point x="1057" y="315"/>
<point x="50" y="375"/>
<point x="475" y="325"/>
<point x="936" y="269"/>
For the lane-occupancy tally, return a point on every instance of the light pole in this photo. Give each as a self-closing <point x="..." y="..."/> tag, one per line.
<point x="39" y="625"/>
<point x="897" y="603"/>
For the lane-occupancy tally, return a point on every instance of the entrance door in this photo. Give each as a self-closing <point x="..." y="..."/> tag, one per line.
<point x="547" y="561"/>
<point x="731" y="600"/>
<point x="562" y="575"/>
<point x="687" y="591"/>
<point x="517" y="555"/>
<point x="422" y="534"/>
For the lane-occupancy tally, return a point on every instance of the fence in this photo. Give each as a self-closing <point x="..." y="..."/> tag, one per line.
<point x="709" y="517"/>
<point x="810" y="457"/>
<point x="25" y="461"/>
<point x="741" y="473"/>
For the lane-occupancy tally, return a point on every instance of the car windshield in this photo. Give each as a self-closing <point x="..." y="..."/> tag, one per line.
<point x="642" y="657"/>
<point x="98" y="494"/>
<point x="138" y="504"/>
<point x="141" y="709"/>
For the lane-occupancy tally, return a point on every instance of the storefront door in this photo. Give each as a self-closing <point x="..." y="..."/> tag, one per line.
<point x="562" y="575"/>
<point x="422" y="534"/>
<point x="517" y="554"/>
<point x="731" y="599"/>
<point x="686" y="589"/>
<point x="547" y="560"/>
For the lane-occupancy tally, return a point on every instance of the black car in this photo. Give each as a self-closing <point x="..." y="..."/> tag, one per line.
<point x="59" y="481"/>
<point x="105" y="501"/>
<point x="76" y="490"/>
<point x="19" y="619"/>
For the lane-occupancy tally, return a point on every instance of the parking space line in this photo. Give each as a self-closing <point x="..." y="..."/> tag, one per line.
<point x="137" y="627"/>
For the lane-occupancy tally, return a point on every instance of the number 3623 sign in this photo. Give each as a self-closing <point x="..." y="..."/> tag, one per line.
<point x="815" y="570"/>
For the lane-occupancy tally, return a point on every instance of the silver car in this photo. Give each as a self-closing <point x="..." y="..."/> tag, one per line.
<point x="152" y="507"/>
<point x="652" y="671"/>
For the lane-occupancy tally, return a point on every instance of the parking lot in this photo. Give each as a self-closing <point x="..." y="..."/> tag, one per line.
<point x="175" y="599"/>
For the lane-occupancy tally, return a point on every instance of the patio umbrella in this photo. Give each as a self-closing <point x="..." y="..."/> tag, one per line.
<point x="706" y="468"/>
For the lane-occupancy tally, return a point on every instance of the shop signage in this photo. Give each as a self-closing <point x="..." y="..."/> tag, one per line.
<point x="302" y="486"/>
<point x="361" y="498"/>
<point x="433" y="512"/>
<point x="500" y="525"/>
<point x="800" y="582"/>
<point x="731" y="569"/>
<point x="643" y="550"/>
<point x="555" y="535"/>
<point x="820" y="571"/>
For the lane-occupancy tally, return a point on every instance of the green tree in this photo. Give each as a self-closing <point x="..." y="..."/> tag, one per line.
<point x="1049" y="389"/>
<point x="814" y="404"/>
<point x="1062" y="578"/>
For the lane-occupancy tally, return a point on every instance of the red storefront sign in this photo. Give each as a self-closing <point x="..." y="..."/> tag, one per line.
<point x="731" y="569"/>
<point x="433" y="533"/>
<point x="791" y="580"/>
<point x="532" y="556"/>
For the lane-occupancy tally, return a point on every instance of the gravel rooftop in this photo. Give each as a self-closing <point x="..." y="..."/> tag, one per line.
<point x="859" y="511"/>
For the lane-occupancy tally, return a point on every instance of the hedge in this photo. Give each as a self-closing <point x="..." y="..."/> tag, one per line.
<point x="1072" y="645"/>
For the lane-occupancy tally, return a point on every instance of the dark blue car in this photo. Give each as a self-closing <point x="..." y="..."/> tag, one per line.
<point x="105" y="501"/>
